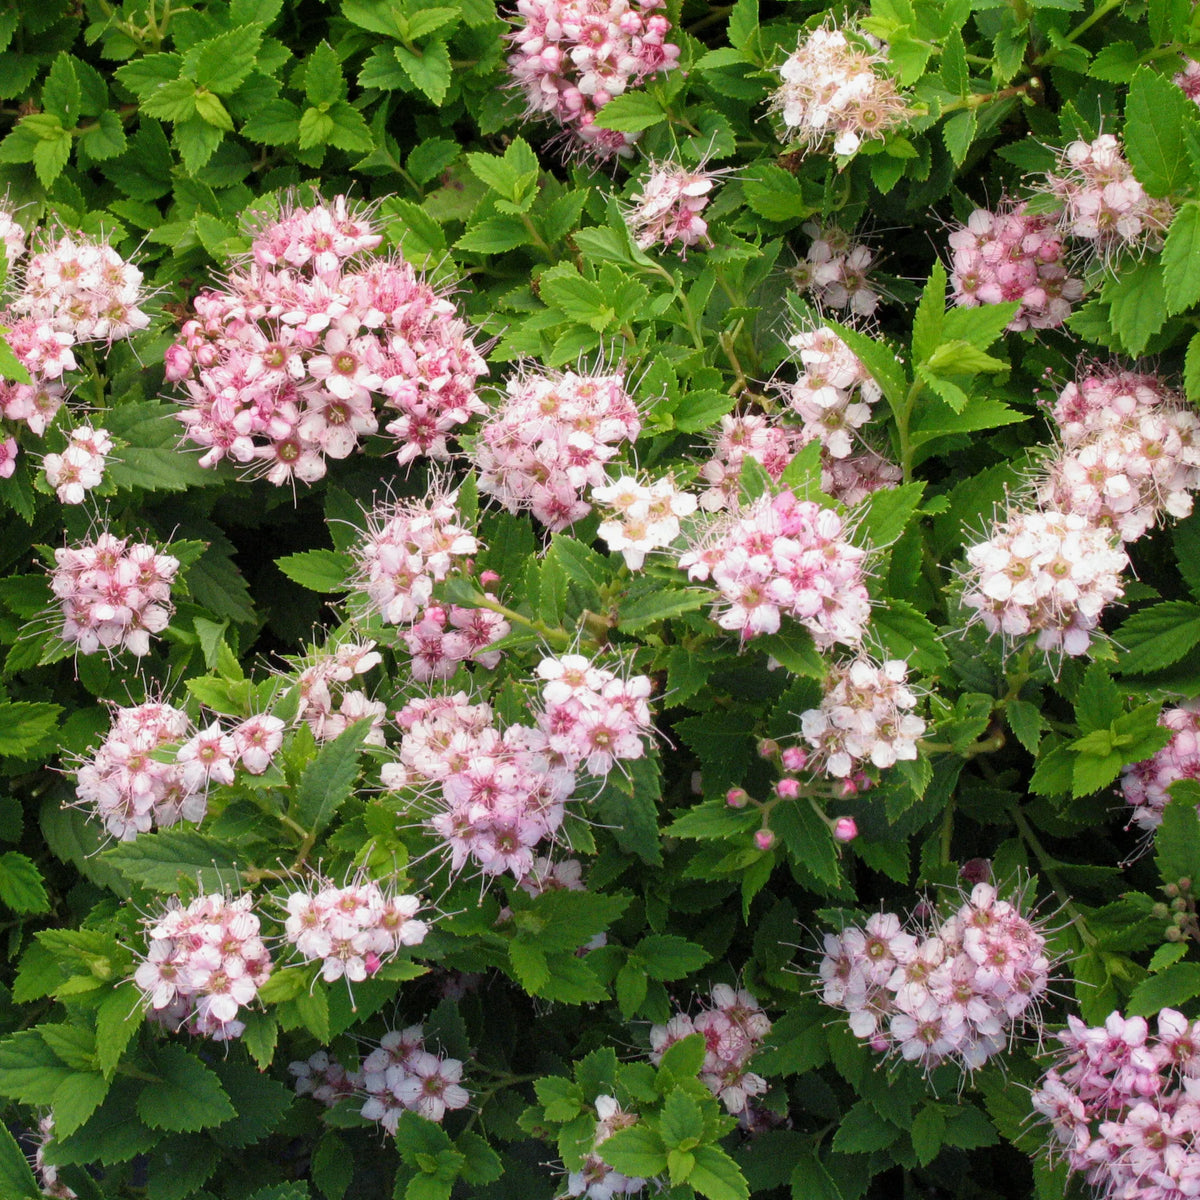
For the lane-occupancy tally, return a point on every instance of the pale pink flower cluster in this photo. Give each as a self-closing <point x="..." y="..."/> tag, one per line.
<point x="80" y="467"/>
<point x="782" y="556"/>
<point x="46" y="1172"/>
<point x="1102" y="201"/>
<point x="1123" y="1106"/>
<point x="667" y="209"/>
<point x="1130" y="453"/>
<point x="833" y="393"/>
<point x="595" y="1179"/>
<point x="955" y="993"/>
<point x="641" y="517"/>
<point x="46" y="353"/>
<point x="1014" y="254"/>
<point x="323" y="1078"/>
<point x="203" y="965"/>
<point x="1189" y="79"/>
<point x="866" y="714"/>
<point x="441" y="638"/>
<point x="1045" y="573"/>
<point x="12" y="238"/>
<point x="733" y="1026"/>
<point x="327" y="705"/>
<point x="750" y="435"/>
<point x="565" y="875"/>
<point x="113" y="593"/>
<point x="570" y="57"/>
<point x="135" y="783"/>
<point x="289" y="365"/>
<point x="832" y="89"/>
<point x="1144" y="784"/>
<point x="351" y="930"/>
<point x="549" y="440"/>
<point x="835" y="270"/>
<point x="83" y="288"/>
<point x="401" y="1074"/>
<point x="409" y="546"/>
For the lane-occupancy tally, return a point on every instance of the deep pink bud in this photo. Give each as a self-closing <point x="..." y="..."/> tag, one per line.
<point x="372" y="962"/>
<point x="177" y="361"/>
<point x="768" y="748"/>
<point x="764" y="839"/>
<point x="737" y="798"/>
<point x="787" y="789"/>
<point x="487" y="578"/>
<point x="845" y="829"/>
<point x="849" y="787"/>
<point x="794" y="759"/>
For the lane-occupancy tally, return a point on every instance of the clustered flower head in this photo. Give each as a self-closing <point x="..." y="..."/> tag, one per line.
<point x="955" y="992"/>
<point x="834" y="270"/>
<point x="570" y="57"/>
<point x="1014" y="254"/>
<point x="667" y="209"/>
<point x="641" y="517"/>
<point x="398" y="1075"/>
<point x="1045" y="573"/>
<point x="351" y="930"/>
<point x="1130" y="452"/>
<point x="733" y="1026"/>
<point x="80" y="467"/>
<point x="113" y="593"/>
<point x="548" y="442"/>
<point x="327" y="705"/>
<point x="203" y="965"/>
<point x="595" y="1179"/>
<point x="1102" y="201"/>
<point x="866" y="715"/>
<point x="832" y="89"/>
<point x="1189" y="79"/>
<point x="1144" y="784"/>
<point x="1123" y="1105"/>
<point x="441" y="638"/>
<point x="47" y="1173"/>
<point x="410" y="545"/>
<point x="782" y="556"/>
<point x="313" y="342"/>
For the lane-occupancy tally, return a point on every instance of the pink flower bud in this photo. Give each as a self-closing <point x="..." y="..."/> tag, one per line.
<point x="794" y="759"/>
<point x="737" y="798"/>
<point x="764" y="839"/>
<point x="768" y="748"/>
<point x="845" y="829"/>
<point x="487" y="578"/>
<point x="371" y="962"/>
<point x="849" y="787"/>
<point x="787" y="789"/>
<point x="178" y="362"/>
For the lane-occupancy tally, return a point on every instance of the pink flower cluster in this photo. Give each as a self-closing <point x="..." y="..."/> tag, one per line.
<point x="595" y="1179"/>
<point x="570" y="57"/>
<point x="351" y="930"/>
<point x="80" y="467"/>
<point x="133" y="782"/>
<point x="866" y="714"/>
<point x="1045" y="573"/>
<point x="1189" y="79"/>
<point x="398" y="1075"/>
<point x="410" y="545"/>
<point x="956" y="992"/>
<point x="733" y="1026"/>
<point x="645" y="517"/>
<point x="12" y="239"/>
<point x="549" y="440"/>
<point x="113" y="593"/>
<point x="47" y="1173"/>
<point x="1102" y="201"/>
<point x="327" y="706"/>
<point x="204" y="964"/>
<point x="45" y="352"/>
<point x="835" y="269"/>
<point x="782" y="556"/>
<point x="441" y="638"/>
<point x="287" y="366"/>
<point x="1130" y="453"/>
<point x="831" y="89"/>
<point x="1014" y="254"/>
<point x="750" y="435"/>
<point x="1144" y="784"/>
<point x="1123" y="1105"/>
<point x="667" y="209"/>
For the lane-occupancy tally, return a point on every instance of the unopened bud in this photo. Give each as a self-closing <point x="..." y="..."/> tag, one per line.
<point x="845" y="829"/>
<point x="697" y="784"/>
<point x="794" y="759"/>
<point x="764" y="839"/>
<point x="737" y="798"/>
<point x="979" y="870"/>
<point x="1185" y="884"/>
<point x="487" y="578"/>
<point x="787" y="789"/>
<point x="768" y="748"/>
<point x="849" y="788"/>
<point x="1172" y="934"/>
<point x="1181" y="919"/>
<point x="1179" y="904"/>
<point x="1171" y="889"/>
<point x="1160" y="912"/>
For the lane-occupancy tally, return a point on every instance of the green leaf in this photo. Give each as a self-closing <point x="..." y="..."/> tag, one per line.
<point x="743" y="22"/>
<point x="1137" y="303"/>
<point x="328" y="780"/>
<point x="962" y="358"/>
<point x="927" y="321"/>
<point x="980" y="326"/>
<point x="906" y="633"/>
<point x="494" y="235"/>
<point x="323" y="79"/>
<point x="886" y="513"/>
<point x="60" y="91"/>
<point x="511" y="175"/>
<point x="161" y="860"/>
<point x="1157" y="637"/>
<point x="220" y="64"/>
<point x="666" y="956"/>
<point x="118" y="1019"/>
<point x="810" y="1180"/>
<point x="701" y="408"/>
<point x="635" y="1151"/>
<point x="21" y="886"/>
<point x="862" y="1130"/>
<point x="275" y="123"/>
<point x="681" y="1122"/>
<point x="630" y="112"/>
<point x="16" y="1178"/>
<point x="186" y="1095"/>
<point x="1177" y="839"/>
<point x="716" y="1175"/>
<point x="1173" y="988"/>
<point x="646" y="609"/>
<point x="1155" y="118"/>
<point x="430" y="71"/>
<point x="1181" y="259"/>
<point x="431" y="158"/>
<point x="1115" y="63"/>
<point x="76" y="1099"/>
<point x="23" y="725"/>
<point x="1027" y="722"/>
<point x="321" y="571"/>
<point x="958" y="132"/>
<point x="332" y="1166"/>
<point x="261" y="1103"/>
<point x="172" y="99"/>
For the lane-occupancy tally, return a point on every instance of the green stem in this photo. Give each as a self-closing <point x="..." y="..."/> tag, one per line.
<point x="979" y="99"/>
<point x="1101" y="11"/>
<point x="1049" y="868"/>
<point x="560" y="639"/>
<point x="947" y="837"/>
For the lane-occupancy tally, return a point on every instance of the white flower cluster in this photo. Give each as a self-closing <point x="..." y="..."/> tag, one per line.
<point x="835" y="269"/>
<point x="80" y="467"/>
<point x="595" y="1179"/>
<point x="645" y="517"/>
